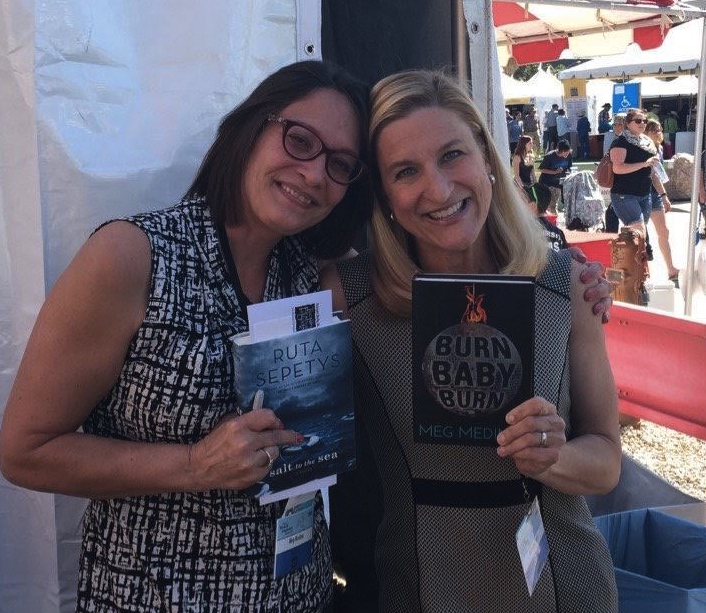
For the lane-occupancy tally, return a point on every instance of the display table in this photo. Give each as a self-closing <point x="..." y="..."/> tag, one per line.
<point x="596" y="245"/>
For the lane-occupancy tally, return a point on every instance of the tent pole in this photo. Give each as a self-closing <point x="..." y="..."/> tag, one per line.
<point x="698" y="148"/>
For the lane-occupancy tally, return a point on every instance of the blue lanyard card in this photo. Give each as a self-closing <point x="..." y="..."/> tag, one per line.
<point x="295" y="530"/>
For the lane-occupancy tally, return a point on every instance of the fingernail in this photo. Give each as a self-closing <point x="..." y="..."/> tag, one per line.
<point x="510" y="418"/>
<point x="501" y="440"/>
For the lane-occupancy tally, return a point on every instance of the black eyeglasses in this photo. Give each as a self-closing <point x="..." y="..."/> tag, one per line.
<point x="303" y="144"/>
<point x="639" y="120"/>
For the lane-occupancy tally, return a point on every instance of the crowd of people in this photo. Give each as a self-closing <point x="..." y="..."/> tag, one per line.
<point x="631" y="131"/>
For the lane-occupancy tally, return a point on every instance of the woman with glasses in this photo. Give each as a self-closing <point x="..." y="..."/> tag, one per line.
<point x="132" y="346"/>
<point x="633" y="155"/>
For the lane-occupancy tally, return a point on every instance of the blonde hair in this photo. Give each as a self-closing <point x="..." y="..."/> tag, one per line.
<point x="516" y="239"/>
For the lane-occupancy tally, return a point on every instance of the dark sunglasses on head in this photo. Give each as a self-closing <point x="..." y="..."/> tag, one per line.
<point x="304" y="144"/>
<point x="639" y="120"/>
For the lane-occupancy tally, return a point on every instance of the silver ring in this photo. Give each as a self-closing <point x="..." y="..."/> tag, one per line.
<point x="542" y="439"/>
<point x="270" y="459"/>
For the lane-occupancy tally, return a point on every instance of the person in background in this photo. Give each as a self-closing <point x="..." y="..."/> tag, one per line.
<point x="447" y="204"/>
<point x="612" y="223"/>
<point x="661" y="204"/>
<point x="563" y="125"/>
<point x="583" y="130"/>
<point x="545" y="133"/>
<point x="553" y="168"/>
<point x="514" y="131"/>
<point x="618" y="127"/>
<point x="541" y="196"/>
<point x="653" y="114"/>
<point x="133" y="344"/>
<point x="604" y="119"/>
<point x="634" y="156"/>
<point x="671" y="126"/>
<point x="532" y="128"/>
<point x="523" y="162"/>
<point x="550" y="123"/>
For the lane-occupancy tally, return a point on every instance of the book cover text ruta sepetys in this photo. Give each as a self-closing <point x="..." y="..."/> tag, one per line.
<point x="306" y="378"/>
<point x="473" y="346"/>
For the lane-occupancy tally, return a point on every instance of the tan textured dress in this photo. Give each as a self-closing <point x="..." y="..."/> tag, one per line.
<point x="455" y="550"/>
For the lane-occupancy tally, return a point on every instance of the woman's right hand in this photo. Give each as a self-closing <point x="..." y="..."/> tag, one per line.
<point x="652" y="162"/>
<point x="238" y="452"/>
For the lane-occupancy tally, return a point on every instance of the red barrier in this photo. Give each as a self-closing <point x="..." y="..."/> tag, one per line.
<point x="659" y="365"/>
<point x="596" y="245"/>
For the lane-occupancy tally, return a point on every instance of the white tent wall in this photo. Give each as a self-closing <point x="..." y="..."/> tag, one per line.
<point x="107" y="109"/>
<point x="28" y="577"/>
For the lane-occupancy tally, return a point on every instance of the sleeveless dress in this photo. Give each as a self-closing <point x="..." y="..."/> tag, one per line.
<point x="456" y="550"/>
<point x="208" y="551"/>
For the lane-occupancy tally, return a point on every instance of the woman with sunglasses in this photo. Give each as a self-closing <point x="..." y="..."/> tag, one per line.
<point x="633" y="156"/>
<point x="132" y="345"/>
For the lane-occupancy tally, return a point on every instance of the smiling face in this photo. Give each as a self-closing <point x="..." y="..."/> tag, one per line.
<point x="283" y="196"/>
<point x="435" y="178"/>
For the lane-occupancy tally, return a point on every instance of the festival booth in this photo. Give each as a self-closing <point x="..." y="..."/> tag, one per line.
<point x="107" y="110"/>
<point x="677" y="57"/>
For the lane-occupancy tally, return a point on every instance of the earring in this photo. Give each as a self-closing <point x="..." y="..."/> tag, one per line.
<point x="392" y="216"/>
<point x="491" y="178"/>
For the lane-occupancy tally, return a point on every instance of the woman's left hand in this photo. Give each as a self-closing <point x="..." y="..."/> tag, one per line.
<point x="598" y="289"/>
<point x="534" y="436"/>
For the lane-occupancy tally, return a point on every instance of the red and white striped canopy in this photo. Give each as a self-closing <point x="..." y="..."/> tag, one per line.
<point x="544" y="31"/>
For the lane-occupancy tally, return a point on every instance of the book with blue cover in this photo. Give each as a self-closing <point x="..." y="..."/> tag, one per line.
<point x="473" y="349"/>
<point x="306" y="377"/>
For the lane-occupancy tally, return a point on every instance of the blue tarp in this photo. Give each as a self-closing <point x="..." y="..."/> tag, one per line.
<point x="660" y="561"/>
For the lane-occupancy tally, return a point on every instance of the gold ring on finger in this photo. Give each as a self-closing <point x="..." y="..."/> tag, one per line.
<point x="270" y="459"/>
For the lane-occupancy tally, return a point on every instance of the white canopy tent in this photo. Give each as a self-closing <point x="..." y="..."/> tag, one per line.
<point x="679" y="53"/>
<point x="529" y="32"/>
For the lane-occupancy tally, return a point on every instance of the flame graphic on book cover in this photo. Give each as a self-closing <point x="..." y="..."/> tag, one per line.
<point x="474" y="313"/>
<point x="472" y="368"/>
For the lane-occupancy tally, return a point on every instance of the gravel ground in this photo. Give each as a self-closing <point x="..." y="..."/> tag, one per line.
<point x="676" y="457"/>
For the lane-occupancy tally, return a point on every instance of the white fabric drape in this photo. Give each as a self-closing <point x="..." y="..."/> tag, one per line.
<point x="106" y="109"/>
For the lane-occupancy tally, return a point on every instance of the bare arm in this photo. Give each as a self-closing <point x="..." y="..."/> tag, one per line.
<point x="617" y="157"/>
<point x="590" y="462"/>
<point x="73" y="358"/>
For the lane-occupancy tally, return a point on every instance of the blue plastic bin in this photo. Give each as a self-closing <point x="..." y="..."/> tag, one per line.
<point x="660" y="561"/>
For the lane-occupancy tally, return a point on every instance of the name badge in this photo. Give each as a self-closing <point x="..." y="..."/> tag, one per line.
<point x="295" y="529"/>
<point x="532" y="545"/>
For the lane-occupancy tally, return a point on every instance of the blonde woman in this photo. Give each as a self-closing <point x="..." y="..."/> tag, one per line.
<point x="661" y="204"/>
<point x="446" y="203"/>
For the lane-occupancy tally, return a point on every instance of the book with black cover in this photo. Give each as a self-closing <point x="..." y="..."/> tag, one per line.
<point x="473" y="348"/>
<point x="306" y="377"/>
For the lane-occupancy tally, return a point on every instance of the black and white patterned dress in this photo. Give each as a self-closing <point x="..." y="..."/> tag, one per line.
<point x="208" y="551"/>
<point x="455" y="550"/>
